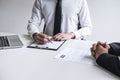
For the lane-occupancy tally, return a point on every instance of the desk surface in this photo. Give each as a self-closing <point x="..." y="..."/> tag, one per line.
<point x="37" y="64"/>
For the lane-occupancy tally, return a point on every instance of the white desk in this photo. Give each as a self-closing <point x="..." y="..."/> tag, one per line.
<point x="37" y="64"/>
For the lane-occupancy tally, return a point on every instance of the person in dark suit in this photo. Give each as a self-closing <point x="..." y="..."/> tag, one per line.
<point x="107" y="56"/>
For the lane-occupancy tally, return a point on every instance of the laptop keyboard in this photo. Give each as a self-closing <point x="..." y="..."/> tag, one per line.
<point x="4" y="41"/>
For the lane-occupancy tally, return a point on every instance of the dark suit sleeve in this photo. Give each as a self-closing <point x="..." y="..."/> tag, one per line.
<point x="114" y="49"/>
<point x="109" y="62"/>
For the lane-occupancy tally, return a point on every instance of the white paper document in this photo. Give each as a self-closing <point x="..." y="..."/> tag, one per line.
<point x="81" y="54"/>
<point x="53" y="45"/>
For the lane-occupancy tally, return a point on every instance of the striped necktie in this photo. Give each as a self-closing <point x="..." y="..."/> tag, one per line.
<point x="57" y="22"/>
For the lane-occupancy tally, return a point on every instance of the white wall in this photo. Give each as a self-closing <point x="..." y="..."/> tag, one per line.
<point x="105" y="15"/>
<point x="14" y="15"/>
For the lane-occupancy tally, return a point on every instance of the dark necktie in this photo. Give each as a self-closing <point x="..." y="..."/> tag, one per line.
<point x="57" y="22"/>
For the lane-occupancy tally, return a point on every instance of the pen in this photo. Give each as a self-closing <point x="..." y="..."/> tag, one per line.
<point x="50" y="40"/>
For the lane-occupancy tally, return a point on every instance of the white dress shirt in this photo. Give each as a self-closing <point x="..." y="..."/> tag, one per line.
<point x="74" y="12"/>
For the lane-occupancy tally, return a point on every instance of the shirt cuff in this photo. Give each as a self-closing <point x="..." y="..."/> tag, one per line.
<point x="82" y="33"/>
<point x="119" y="58"/>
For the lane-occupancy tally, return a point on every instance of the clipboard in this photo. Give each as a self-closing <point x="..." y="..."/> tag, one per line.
<point x="53" y="45"/>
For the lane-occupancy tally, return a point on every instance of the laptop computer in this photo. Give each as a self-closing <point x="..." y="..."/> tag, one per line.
<point x="11" y="41"/>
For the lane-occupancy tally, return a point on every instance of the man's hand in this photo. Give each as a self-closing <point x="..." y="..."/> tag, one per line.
<point x="63" y="36"/>
<point x="99" y="48"/>
<point x="41" y="38"/>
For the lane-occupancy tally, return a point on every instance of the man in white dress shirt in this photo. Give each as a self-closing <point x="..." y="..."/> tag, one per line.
<point x="75" y="21"/>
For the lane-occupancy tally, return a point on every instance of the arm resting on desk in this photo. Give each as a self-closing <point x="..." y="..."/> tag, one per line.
<point x="109" y="62"/>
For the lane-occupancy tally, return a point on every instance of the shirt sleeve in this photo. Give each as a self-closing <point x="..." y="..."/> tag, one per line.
<point x="109" y="62"/>
<point x="85" y="24"/>
<point x="36" y="18"/>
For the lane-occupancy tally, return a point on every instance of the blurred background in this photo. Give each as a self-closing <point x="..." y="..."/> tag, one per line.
<point x="105" y="16"/>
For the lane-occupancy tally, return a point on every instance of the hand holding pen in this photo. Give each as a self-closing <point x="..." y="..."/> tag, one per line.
<point x="41" y="38"/>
